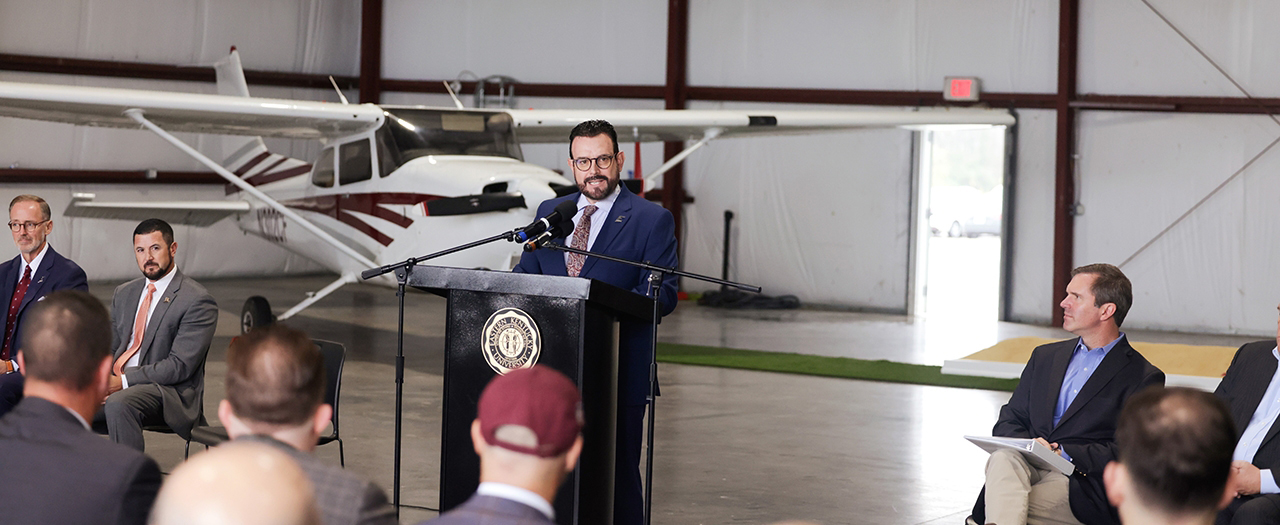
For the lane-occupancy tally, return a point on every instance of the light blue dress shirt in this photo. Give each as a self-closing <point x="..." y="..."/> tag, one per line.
<point x="1259" y="424"/>
<point x="1084" y="361"/>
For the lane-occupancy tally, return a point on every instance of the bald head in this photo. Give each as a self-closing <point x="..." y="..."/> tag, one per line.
<point x="237" y="484"/>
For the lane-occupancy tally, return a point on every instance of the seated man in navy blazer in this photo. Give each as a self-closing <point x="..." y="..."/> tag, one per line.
<point x="1069" y="399"/>
<point x="528" y="434"/>
<point x="36" y="271"/>
<point x="1251" y="388"/>
<point x="613" y="221"/>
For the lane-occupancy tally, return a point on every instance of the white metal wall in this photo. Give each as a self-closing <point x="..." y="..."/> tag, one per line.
<point x="839" y="200"/>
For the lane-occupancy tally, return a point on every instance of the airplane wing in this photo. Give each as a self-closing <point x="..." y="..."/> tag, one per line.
<point x="553" y="126"/>
<point x="194" y="213"/>
<point x="192" y="112"/>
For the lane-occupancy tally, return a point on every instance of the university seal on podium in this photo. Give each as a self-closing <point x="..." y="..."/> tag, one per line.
<point x="510" y="340"/>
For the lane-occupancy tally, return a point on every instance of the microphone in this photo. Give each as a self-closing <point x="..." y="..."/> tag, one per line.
<point x="563" y="212"/>
<point x="560" y="231"/>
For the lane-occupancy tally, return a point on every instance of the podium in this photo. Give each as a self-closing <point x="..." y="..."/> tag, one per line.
<point x="497" y="321"/>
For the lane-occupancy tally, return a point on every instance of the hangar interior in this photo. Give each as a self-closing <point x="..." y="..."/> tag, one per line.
<point x="1144" y="137"/>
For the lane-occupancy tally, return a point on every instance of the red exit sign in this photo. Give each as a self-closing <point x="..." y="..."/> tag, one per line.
<point x="962" y="89"/>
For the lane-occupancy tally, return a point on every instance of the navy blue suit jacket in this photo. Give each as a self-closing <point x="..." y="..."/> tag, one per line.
<point x="636" y="230"/>
<point x="55" y="273"/>
<point x="1087" y="428"/>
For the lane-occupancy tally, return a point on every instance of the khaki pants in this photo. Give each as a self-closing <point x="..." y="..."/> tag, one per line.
<point x="1019" y="493"/>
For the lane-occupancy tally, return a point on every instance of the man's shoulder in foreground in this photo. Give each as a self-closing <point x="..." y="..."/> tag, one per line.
<point x="490" y="510"/>
<point x="81" y="476"/>
<point x="342" y="496"/>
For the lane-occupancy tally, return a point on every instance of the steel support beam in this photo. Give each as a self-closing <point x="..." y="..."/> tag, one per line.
<point x="109" y="68"/>
<point x="370" y="51"/>
<point x="676" y="96"/>
<point x="1064" y="156"/>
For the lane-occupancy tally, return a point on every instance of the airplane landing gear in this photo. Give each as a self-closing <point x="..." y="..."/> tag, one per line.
<point x="256" y="312"/>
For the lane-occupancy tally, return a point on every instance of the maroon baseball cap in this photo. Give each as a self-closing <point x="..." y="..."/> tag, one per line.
<point x="535" y="411"/>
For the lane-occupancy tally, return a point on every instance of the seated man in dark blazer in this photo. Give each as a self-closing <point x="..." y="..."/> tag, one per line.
<point x="1251" y="388"/>
<point x="37" y="270"/>
<point x="56" y="469"/>
<point x="1069" y="398"/>
<point x="528" y="433"/>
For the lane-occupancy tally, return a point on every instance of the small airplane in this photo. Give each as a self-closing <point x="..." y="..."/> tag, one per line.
<point x="393" y="182"/>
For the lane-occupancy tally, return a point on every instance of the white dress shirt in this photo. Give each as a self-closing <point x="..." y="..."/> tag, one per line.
<point x="518" y="495"/>
<point x="34" y="264"/>
<point x="161" y="286"/>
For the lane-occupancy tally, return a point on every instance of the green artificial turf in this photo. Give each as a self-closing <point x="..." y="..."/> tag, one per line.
<point x="846" y="367"/>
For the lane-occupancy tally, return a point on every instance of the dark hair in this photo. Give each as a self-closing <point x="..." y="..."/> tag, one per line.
<point x="1109" y="286"/>
<point x="64" y="339"/>
<point x="275" y="375"/>
<point x="155" y="225"/>
<point x="44" y="206"/>
<point x="592" y="128"/>
<point x="1177" y="445"/>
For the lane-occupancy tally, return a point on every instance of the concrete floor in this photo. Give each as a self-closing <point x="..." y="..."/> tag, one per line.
<point x="732" y="446"/>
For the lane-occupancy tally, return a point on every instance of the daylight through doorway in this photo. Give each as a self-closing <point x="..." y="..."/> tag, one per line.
<point x="964" y="194"/>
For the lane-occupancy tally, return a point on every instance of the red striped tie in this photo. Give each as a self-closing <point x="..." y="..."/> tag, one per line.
<point x="12" y="320"/>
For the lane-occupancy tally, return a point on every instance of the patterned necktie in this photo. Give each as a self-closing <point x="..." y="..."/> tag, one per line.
<point x="139" y="328"/>
<point x="12" y="320"/>
<point x="581" y="233"/>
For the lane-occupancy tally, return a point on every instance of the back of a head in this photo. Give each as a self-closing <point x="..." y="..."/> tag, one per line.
<point x="1176" y="444"/>
<point x="533" y="411"/>
<point x="275" y="376"/>
<point x="65" y="338"/>
<point x="237" y="483"/>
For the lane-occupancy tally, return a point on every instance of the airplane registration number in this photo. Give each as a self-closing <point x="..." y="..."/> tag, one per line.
<point x="272" y="224"/>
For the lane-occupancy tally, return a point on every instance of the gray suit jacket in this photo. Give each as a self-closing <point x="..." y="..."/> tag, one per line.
<point x="56" y="471"/>
<point x="174" y="346"/>
<point x="343" y="497"/>
<point x="490" y="510"/>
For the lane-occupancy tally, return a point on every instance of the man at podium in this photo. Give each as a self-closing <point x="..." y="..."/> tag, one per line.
<point x="613" y="221"/>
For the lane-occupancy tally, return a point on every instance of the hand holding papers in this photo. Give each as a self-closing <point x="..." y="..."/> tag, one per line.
<point x="1036" y="453"/>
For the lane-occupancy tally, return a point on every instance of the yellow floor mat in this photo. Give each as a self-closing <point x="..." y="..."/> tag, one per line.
<point x="1173" y="359"/>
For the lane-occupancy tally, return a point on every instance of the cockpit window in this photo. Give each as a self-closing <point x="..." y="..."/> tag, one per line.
<point x="410" y="133"/>
<point x="322" y="171"/>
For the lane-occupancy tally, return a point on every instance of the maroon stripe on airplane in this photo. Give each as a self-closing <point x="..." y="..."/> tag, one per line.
<point x="264" y="178"/>
<point x="269" y="168"/>
<point x="252" y="162"/>
<point x="340" y="207"/>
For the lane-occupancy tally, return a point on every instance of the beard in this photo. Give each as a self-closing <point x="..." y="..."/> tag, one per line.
<point x="596" y="193"/>
<point x="155" y="272"/>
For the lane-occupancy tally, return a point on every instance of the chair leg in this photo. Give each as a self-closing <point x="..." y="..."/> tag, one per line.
<point x="187" y="453"/>
<point x="342" y="455"/>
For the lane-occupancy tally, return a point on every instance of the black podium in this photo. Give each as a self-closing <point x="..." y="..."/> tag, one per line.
<point x="500" y="320"/>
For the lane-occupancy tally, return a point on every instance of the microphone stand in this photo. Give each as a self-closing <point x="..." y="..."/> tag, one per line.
<point x="656" y="275"/>
<point x="402" y="276"/>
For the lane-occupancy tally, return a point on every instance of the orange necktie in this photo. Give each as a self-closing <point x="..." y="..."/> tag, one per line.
<point x="139" y="328"/>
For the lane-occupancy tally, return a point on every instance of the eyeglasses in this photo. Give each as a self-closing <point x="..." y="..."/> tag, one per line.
<point x="603" y="162"/>
<point x="29" y="226"/>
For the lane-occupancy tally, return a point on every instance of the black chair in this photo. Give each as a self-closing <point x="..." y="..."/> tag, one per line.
<point x="335" y="356"/>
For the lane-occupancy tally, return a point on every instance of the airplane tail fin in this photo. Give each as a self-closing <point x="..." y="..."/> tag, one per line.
<point x="248" y="157"/>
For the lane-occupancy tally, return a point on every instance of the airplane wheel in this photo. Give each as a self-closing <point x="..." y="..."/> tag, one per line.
<point x="955" y="230"/>
<point x="256" y="312"/>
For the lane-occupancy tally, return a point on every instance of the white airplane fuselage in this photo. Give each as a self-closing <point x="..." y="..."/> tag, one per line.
<point x="388" y="219"/>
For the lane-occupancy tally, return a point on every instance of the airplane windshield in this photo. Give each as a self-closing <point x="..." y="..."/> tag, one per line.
<point x="410" y="133"/>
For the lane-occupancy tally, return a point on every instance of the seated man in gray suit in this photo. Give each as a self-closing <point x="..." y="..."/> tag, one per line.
<point x="275" y="396"/>
<point x="164" y="322"/>
<point x="55" y="469"/>
<point x="528" y="433"/>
